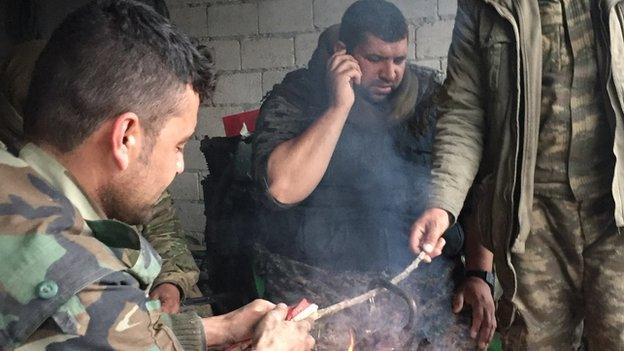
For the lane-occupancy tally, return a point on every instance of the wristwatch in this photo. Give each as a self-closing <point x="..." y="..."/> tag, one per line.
<point x="487" y="277"/>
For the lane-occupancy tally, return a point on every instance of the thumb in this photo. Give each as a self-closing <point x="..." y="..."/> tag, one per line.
<point x="458" y="302"/>
<point x="280" y="311"/>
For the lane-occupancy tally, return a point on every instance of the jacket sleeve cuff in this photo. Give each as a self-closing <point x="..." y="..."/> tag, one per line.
<point x="448" y="207"/>
<point x="189" y="330"/>
<point x="183" y="288"/>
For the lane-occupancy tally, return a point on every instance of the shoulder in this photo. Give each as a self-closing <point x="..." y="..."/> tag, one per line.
<point x="45" y="254"/>
<point x="430" y="80"/>
<point x="299" y="88"/>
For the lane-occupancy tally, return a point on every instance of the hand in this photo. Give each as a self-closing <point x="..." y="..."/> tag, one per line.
<point x="426" y="233"/>
<point x="169" y="296"/>
<point x="274" y="333"/>
<point x="477" y="294"/>
<point x="342" y="72"/>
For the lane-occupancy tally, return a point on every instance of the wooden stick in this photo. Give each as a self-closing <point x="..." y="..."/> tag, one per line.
<point x="328" y="311"/>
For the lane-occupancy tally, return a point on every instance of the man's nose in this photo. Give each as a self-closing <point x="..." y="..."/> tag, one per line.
<point x="388" y="71"/>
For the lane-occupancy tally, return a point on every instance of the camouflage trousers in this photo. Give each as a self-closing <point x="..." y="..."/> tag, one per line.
<point x="570" y="285"/>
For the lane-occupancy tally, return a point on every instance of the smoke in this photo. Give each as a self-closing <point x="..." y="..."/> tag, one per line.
<point x="354" y="228"/>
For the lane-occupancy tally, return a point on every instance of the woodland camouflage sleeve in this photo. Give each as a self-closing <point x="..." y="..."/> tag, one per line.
<point x="111" y="314"/>
<point x="164" y="232"/>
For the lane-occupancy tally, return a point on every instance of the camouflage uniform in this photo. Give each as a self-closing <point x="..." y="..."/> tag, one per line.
<point x="573" y="253"/>
<point x="163" y="231"/>
<point x="71" y="283"/>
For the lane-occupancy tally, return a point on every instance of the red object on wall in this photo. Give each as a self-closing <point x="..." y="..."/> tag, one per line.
<point x="233" y="124"/>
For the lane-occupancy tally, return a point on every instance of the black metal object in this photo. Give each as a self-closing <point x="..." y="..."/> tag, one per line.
<point x="409" y="329"/>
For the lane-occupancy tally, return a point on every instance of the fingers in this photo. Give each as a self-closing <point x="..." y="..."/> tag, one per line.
<point x="488" y="326"/>
<point x="437" y="250"/>
<point x="260" y="306"/>
<point x="477" y="317"/>
<point x="340" y="64"/>
<point x="416" y="233"/>
<point x="426" y="233"/>
<point x="310" y="342"/>
<point x="337" y="58"/>
<point x="458" y="302"/>
<point x="486" y="332"/>
<point x="279" y="312"/>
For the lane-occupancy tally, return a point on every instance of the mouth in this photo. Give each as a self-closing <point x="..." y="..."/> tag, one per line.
<point x="382" y="89"/>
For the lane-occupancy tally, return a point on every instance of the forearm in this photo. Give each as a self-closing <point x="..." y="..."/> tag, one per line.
<point x="165" y="234"/>
<point x="297" y="166"/>
<point x="477" y="256"/>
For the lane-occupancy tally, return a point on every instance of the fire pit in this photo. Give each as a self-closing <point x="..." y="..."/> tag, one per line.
<point x="415" y="315"/>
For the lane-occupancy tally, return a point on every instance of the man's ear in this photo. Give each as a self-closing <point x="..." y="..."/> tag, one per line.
<point x="125" y="139"/>
<point x="339" y="46"/>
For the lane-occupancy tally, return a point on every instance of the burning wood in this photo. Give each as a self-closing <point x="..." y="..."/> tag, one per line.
<point x="327" y="311"/>
<point x="379" y="323"/>
<point x="351" y="340"/>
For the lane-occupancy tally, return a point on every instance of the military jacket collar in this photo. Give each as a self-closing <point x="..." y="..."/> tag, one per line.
<point x="56" y="175"/>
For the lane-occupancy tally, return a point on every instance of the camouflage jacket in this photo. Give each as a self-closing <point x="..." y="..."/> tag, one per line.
<point x="68" y="282"/>
<point x="489" y="122"/>
<point x="163" y="231"/>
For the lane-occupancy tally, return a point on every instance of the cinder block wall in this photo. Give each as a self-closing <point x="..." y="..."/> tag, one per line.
<point x="255" y="43"/>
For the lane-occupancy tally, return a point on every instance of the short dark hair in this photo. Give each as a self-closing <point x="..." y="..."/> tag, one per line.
<point x="108" y="58"/>
<point x="377" y="17"/>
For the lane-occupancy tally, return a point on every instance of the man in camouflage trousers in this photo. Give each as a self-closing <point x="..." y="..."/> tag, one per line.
<point x="113" y="100"/>
<point x="532" y="116"/>
<point x="179" y="273"/>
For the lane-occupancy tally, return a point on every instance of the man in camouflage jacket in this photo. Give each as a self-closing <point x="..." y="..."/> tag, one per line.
<point x="113" y="100"/>
<point x="179" y="272"/>
<point x="532" y="116"/>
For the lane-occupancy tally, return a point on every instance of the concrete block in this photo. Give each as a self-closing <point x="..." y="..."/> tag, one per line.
<point x="435" y="64"/>
<point x="280" y="16"/>
<point x="185" y="186"/>
<point x="447" y="7"/>
<point x="433" y="40"/>
<point x="417" y="9"/>
<point x="239" y="88"/>
<point x="270" y="78"/>
<point x="232" y="19"/>
<point x="210" y="123"/>
<point x="411" y="44"/>
<point x="328" y="12"/>
<point x="304" y="47"/>
<point x="226" y="54"/>
<point x="191" y="215"/>
<point x="193" y="157"/>
<point x="191" y="20"/>
<point x="267" y="53"/>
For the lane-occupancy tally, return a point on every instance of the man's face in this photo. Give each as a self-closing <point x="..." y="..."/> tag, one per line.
<point x="136" y="192"/>
<point x="382" y="65"/>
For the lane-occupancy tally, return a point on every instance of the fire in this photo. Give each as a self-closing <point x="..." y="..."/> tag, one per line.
<point x="351" y="341"/>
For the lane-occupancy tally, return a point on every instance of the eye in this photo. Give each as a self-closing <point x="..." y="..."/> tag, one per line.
<point x="374" y="58"/>
<point x="399" y="60"/>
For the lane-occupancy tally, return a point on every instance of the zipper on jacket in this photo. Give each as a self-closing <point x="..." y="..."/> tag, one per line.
<point x="506" y="14"/>
<point x="611" y="86"/>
